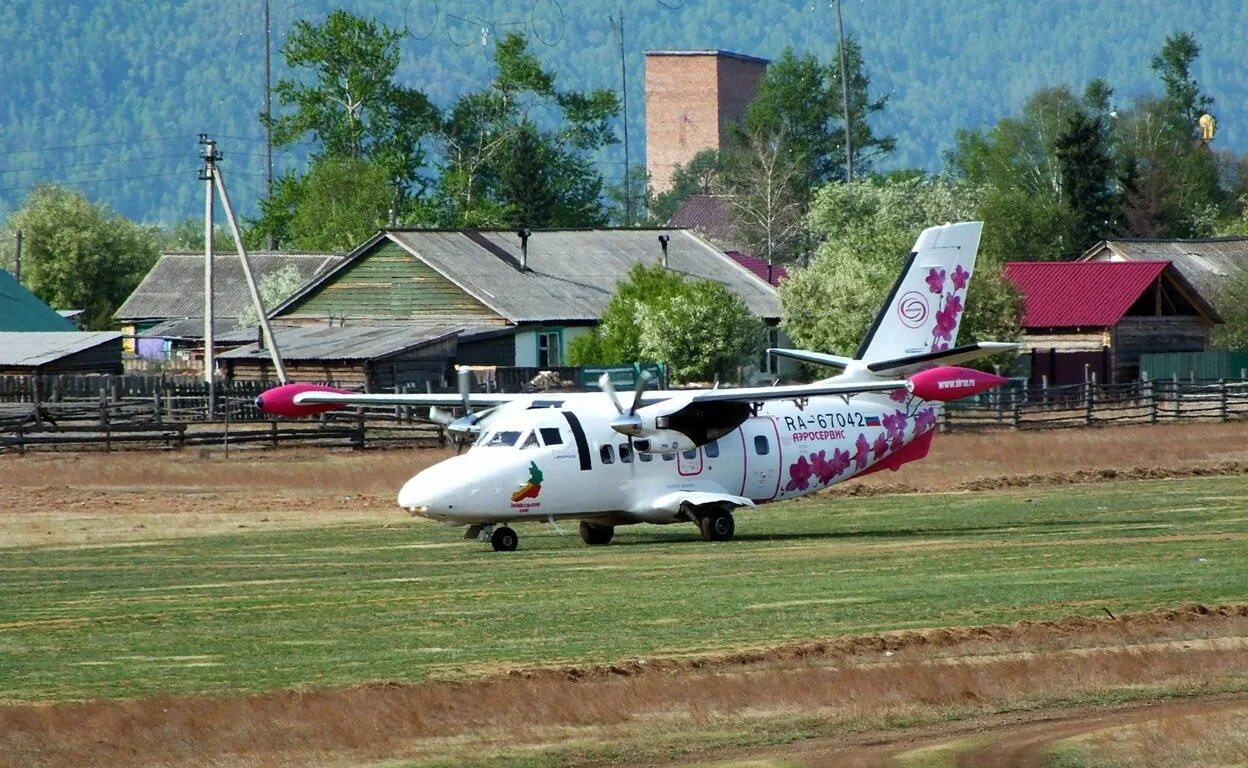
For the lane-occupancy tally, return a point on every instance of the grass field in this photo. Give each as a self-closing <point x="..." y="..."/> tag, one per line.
<point x="255" y="610"/>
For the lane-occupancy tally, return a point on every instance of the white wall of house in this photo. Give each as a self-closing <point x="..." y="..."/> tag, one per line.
<point x="529" y="343"/>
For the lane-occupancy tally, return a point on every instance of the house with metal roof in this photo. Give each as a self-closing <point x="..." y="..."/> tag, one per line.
<point x="21" y="310"/>
<point x="50" y="352"/>
<point x="372" y="358"/>
<point x="1206" y="264"/>
<point x="1085" y="319"/>
<point x="542" y="290"/>
<point x="172" y="292"/>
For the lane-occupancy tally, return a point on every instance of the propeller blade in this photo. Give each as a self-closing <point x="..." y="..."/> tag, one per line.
<point x="642" y="381"/>
<point x="465" y="387"/>
<point x="440" y="416"/>
<point x="604" y="383"/>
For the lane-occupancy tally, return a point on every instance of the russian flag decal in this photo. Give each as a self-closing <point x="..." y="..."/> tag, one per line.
<point x="873" y="421"/>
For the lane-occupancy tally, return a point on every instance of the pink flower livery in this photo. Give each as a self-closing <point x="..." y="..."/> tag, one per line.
<point x="924" y="420"/>
<point x="880" y="447"/>
<point x="862" y="452"/>
<point x="959" y="277"/>
<point x="936" y="280"/>
<point x="899" y="395"/>
<point x="799" y="474"/>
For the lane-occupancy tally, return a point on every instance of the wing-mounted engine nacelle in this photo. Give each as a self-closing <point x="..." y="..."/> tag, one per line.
<point x="672" y="426"/>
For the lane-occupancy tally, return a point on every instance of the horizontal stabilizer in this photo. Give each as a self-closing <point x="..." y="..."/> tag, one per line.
<point x="818" y="358"/>
<point x="904" y="366"/>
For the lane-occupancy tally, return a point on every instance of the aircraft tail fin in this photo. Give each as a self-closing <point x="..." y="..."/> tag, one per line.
<point x="924" y="309"/>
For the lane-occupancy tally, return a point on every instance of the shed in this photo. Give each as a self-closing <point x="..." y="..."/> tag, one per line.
<point x="1082" y="318"/>
<point x="1205" y="263"/>
<point x="21" y="310"/>
<point x="49" y="352"/>
<point x="372" y="358"/>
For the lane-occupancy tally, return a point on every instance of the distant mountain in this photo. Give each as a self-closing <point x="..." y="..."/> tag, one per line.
<point x="108" y="95"/>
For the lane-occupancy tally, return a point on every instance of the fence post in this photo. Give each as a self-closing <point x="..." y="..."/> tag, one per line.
<point x="1177" y="396"/>
<point x="108" y="431"/>
<point x="1222" y="396"/>
<point x="1044" y="390"/>
<point x="1152" y="401"/>
<point x="1017" y="407"/>
<point x="1089" y="394"/>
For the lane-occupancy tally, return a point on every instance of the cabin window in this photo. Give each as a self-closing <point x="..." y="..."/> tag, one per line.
<point x="690" y="455"/>
<point x="626" y="455"/>
<point x="607" y="454"/>
<point x="551" y="436"/>
<point x="669" y="457"/>
<point x="761" y="446"/>
<point x="502" y="438"/>
<point x="645" y="457"/>
<point x="711" y="449"/>
<point x="548" y="345"/>
<point x="530" y="441"/>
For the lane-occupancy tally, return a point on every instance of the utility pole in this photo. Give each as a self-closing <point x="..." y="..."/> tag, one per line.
<point x="628" y="188"/>
<point x="210" y="158"/>
<point x="268" y="129"/>
<point x="849" y="144"/>
<point x="17" y="256"/>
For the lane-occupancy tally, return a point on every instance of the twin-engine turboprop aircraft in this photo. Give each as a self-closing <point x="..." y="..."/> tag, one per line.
<point x="699" y="455"/>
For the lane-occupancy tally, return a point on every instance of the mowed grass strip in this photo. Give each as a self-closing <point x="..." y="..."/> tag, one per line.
<point x="337" y="606"/>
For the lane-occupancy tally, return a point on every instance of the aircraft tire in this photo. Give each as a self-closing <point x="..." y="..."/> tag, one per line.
<point x="596" y="535"/>
<point x="504" y="539"/>
<point x="717" y="525"/>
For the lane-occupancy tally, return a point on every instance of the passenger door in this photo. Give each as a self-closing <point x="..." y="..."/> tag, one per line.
<point x="761" y="443"/>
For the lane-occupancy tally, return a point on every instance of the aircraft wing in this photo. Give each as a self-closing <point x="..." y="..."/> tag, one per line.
<point x="414" y="398"/>
<point x="795" y="391"/>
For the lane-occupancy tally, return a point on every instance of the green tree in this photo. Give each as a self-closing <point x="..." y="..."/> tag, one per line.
<point x="865" y="229"/>
<point x="801" y="100"/>
<point x="499" y="168"/>
<point x="1231" y="299"/>
<point x="349" y="105"/>
<point x="342" y="202"/>
<point x="698" y="327"/>
<point x="274" y="288"/>
<point x="700" y="176"/>
<point x="80" y="255"/>
<point x="1088" y="171"/>
<point x="188" y="236"/>
<point x="1173" y="64"/>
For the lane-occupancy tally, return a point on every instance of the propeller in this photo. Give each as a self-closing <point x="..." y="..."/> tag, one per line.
<point x="463" y="427"/>
<point x="626" y="423"/>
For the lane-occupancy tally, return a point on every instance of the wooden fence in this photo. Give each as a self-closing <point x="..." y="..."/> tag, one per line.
<point x="108" y="412"/>
<point x="1090" y="404"/>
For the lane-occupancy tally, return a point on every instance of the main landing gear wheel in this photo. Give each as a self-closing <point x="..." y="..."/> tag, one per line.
<point x="596" y="535"/>
<point x="717" y="525"/>
<point x="504" y="539"/>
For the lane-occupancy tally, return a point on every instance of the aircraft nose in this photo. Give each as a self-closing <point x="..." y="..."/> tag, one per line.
<point x="432" y="490"/>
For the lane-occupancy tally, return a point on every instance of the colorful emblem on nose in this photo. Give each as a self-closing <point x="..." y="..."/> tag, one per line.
<point x="533" y="487"/>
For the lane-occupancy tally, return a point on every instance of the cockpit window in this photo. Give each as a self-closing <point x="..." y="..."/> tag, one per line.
<point x="530" y="441"/>
<point x="551" y="436"/>
<point x="503" y="438"/>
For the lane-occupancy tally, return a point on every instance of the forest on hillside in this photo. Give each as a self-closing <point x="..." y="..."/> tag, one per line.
<point x="106" y="97"/>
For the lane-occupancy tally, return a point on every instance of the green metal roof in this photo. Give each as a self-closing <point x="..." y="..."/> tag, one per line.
<point x="21" y="310"/>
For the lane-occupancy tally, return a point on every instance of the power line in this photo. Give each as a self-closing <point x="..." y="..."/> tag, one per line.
<point x="92" y="163"/>
<point x="72" y="183"/>
<point x="119" y="143"/>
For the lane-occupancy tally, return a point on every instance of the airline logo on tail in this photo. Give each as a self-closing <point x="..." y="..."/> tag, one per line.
<point x="913" y="309"/>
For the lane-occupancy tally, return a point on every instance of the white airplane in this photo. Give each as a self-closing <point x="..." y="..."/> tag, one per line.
<point x="697" y="456"/>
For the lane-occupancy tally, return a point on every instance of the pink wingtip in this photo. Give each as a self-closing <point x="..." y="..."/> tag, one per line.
<point x="280" y="401"/>
<point x="951" y="383"/>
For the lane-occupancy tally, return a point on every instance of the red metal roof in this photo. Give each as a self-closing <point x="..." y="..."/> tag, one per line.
<point x="759" y="266"/>
<point x="1072" y="294"/>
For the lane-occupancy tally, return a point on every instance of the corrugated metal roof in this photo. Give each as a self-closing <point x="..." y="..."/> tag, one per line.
<point x="40" y="348"/>
<point x="1074" y="294"/>
<point x="191" y="328"/>
<point x="21" y="310"/>
<point x="174" y="288"/>
<point x="572" y="274"/>
<point x="360" y="342"/>
<point x="1205" y="263"/>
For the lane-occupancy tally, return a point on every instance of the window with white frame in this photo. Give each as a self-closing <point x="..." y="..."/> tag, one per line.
<point x="549" y="344"/>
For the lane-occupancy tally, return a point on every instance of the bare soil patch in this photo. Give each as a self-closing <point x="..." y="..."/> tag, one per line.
<point x="851" y="685"/>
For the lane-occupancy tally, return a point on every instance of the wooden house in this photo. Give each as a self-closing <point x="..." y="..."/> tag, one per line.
<point x="371" y="358"/>
<point x="1084" y="319"/>
<point x="166" y="310"/>
<point x="525" y="299"/>
<point x="54" y="352"/>
<point x="1205" y="263"/>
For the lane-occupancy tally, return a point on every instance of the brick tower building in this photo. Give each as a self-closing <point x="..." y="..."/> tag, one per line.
<point x="691" y="97"/>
